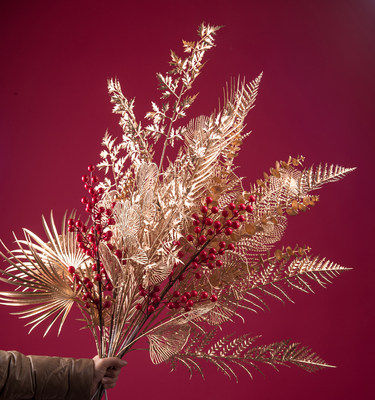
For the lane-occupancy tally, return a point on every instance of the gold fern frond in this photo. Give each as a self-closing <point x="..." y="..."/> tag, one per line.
<point x="277" y="274"/>
<point x="229" y="352"/>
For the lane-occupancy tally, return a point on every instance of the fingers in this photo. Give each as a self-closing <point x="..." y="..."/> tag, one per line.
<point x="107" y="370"/>
<point x="109" y="383"/>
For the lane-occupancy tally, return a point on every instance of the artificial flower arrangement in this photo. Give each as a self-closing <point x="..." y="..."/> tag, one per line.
<point x="172" y="253"/>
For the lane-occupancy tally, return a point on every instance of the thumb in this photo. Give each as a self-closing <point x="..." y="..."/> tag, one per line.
<point x="113" y="362"/>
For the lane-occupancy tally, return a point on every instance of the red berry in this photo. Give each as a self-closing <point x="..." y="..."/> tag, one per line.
<point x="208" y="221"/>
<point x="204" y="209"/>
<point x="235" y="213"/>
<point x="241" y="218"/>
<point x="85" y="178"/>
<point x="187" y="309"/>
<point x="190" y="303"/>
<point x="107" y="304"/>
<point x="249" y="208"/>
<point x="94" y="179"/>
<point x="150" y="309"/>
<point x="89" y="285"/>
<point x="195" y="265"/>
<point x="76" y="277"/>
<point x="230" y="246"/>
<point x="187" y="295"/>
<point x="181" y="277"/>
<point x="197" y="229"/>
<point x="231" y="206"/>
<point x="86" y="280"/>
<point x="71" y="269"/>
<point x="198" y="275"/>
<point x="180" y="254"/>
<point x="252" y="198"/>
<point x="204" y="295"/>
<point x="228" y="231"/>
<point x="228" y="222"/>
<point x="101" y="191"/>
<point x="210" y="265"/>
<point x="156" y="289"/>
<point x="236" y="224"/>
<point x="111" y="221"/>
<point x="211" y="256"/>
<point x="176" y="293"/>
<point x="217" y="224"/>
<point x="241" y="207"/>
<point x="202" y="239"/>
<point x="210" y="232"/>
<point x="82" y="246"/>
<point x="195" y="216"/>
<point x="194" y="293"/>
<point x="109" y="286"/>
<point x="156" y="300"/>
<point x="91" y="168"/>
<point x="138" y="306"/>
<point x="213" y="298"/>
<point x="189" y="238"/>
<point x="87" y="305"/>
<point x="84" y="200"/>
<point x="221" y="252"/>
<point x="214" y="210"/>
<point x="98" y="277"/>
<point x="203" y="254"/>
<point x="183" y="299"/>
<point x="84" y="297"/>
<point x="209" y="200"/>
<point x="212" y="250"/>
<point x="196" y="222"/>
<point x="225" y="213"/>
<point x="79" y="237"/>
<point x="219" y="263"/>
<point x="222" y="244"/>
<point x="118" y="253"/>
<point x="170" y="305"/>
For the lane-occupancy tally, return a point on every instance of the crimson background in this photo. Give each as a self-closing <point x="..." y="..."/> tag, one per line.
<point x="316" y="99"/>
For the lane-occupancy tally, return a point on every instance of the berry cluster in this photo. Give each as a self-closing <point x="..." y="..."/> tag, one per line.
<point x="88" y="237"/>
<point x="186" y="299"/>
<point x="210" y="224"/>
<point x="152" y="298"/>
<point x="87" y="286"/>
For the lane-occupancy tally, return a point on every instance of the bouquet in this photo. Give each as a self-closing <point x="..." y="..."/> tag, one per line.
<point x="171" y="250"/>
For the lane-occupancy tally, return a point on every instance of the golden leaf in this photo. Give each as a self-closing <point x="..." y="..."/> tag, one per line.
<point x="167" y="341"/>
<point x="250" y="229"/>
<point x="278" y="254"/>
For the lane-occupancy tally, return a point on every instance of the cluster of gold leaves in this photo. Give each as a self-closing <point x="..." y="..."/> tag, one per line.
<point x="154" y="207"/>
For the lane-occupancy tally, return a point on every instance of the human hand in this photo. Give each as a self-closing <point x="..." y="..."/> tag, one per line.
<point x="106" y="371"/>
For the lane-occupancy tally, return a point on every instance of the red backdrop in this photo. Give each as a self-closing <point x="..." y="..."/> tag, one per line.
<point x="316" y="99"/>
